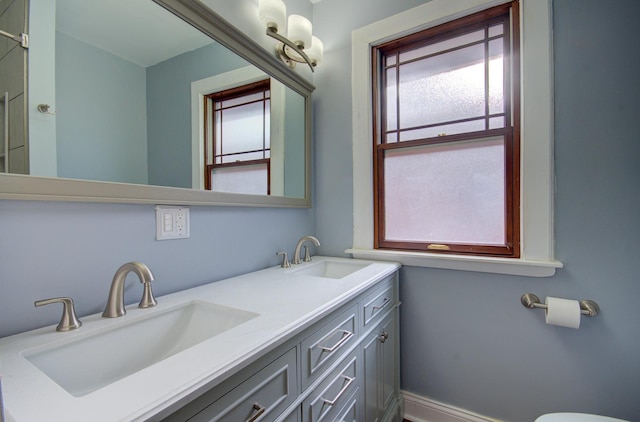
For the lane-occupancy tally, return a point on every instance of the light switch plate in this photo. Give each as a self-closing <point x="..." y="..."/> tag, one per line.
<point x="172" y="222"/>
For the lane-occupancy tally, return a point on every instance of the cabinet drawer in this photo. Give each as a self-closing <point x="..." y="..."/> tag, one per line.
<point x="350" y="412"/>
<point x="262" y="397"/>
<point x="327" y="344"/>
<point x="377" y="302"/>
<point x="332" y="394"/>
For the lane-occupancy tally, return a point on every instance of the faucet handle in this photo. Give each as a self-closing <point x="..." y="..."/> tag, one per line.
<point x="307" y="257"/>
<point x="285" y="260"/>
<point x="69" y="321"/>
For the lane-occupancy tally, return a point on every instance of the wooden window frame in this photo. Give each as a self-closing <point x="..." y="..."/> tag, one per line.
<point x="508" y="14"/>
<point x="210" y="131"/>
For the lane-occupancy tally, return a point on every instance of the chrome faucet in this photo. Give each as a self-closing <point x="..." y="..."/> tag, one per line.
<point x="115" y="304"/>
<point x="307" y="258"/>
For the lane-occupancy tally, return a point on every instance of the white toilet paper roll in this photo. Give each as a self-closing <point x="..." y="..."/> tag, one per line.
<point x="562" y="312"/>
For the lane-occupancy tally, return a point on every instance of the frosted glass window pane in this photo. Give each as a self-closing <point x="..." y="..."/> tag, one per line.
<point x="496" y="75"/>
<point x="496" y="122"/>
<point x="443" y="45"/>
<point x="267" y="124"/>
<point x="242" y="128"/>
<point x="244" y="156"/>
<point x="218" y="130"/>
<point x="430" y="132"/>
<point x="244" y="99"/>
<point x="392" y="137"/>
<point x="442" y="88"/>
<point x="392" y="92"/>
<point x="496" y="30"/>
<point x="244" y="179"/>
<point x="391" y="60"/>
<point x="446" y="193"/>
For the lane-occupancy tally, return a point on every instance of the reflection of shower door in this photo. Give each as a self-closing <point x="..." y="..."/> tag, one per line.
<point x="13" y="89"/>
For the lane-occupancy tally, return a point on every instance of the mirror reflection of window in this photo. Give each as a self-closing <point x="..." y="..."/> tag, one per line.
<point x="237" y="148"/>
<point x="142" y="129"/>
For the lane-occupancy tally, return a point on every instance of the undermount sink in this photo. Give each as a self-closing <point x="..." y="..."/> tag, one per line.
<point x="97" y="360"/>
<point x="330" y="269"/>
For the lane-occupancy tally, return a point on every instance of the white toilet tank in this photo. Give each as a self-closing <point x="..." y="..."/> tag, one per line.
<point x="576" y="417"/>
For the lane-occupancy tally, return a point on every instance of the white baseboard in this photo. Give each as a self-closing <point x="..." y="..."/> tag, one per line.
<point x="423" y="409"/>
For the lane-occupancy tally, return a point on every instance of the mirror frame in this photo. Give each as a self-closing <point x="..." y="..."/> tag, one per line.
<point x="26" y="187"/>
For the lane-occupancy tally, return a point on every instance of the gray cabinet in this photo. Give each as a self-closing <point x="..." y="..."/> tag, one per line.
<point x="388" y="358"/>
<point x="327" y="344"/>
<point x="262" y="396"/>
<point x="331" y="395"/>
<point x="380" y="363"/>
<point x="343" y="368"/>
<point x="351" y="412"/>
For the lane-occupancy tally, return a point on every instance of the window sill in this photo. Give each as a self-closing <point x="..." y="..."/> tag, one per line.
<point x="521" y="267"/>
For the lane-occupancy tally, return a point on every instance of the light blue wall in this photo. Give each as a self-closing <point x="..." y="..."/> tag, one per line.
<point x="54" y="249"/>
<point x="100" y="107"/>
<point x="169" y="110"/>
<point x="466" y="339"/>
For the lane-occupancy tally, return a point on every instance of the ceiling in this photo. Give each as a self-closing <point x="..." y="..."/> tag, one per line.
<point x="139" y="31"/>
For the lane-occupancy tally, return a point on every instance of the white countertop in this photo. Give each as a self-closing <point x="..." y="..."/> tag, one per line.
<point x="286" y="303"/>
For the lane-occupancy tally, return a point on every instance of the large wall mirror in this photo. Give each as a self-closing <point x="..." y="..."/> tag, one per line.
<point x="126" y="103"/>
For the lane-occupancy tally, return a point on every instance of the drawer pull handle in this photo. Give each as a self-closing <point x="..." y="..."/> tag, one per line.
<point x="383" y="337"/>
<point x="375" y="309"/>
<point x="341" y="392"/>
<point x="260" y="411"/>
<point x="346" y="335"/>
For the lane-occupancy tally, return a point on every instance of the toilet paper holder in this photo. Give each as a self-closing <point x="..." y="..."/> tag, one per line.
<point x="587" y="307"/>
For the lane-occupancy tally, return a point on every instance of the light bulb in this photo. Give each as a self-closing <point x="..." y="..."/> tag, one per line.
<point x="316" y="50"/>
<point x="300" y="31"/>
<point x="273" y="13"/>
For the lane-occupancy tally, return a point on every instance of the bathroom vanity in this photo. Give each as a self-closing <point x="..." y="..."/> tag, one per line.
<point x="315" y="342"/>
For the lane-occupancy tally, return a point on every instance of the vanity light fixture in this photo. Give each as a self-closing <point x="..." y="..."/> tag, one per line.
<point x="299" y="45"/>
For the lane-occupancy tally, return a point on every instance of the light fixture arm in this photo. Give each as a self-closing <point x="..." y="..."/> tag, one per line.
<point x="273" y="33"/>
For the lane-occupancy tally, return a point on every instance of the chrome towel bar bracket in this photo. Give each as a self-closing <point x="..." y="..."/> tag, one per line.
<point x="587" y="307"/>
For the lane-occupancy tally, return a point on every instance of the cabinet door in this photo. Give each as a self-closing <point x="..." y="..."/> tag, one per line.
<point x="388" y="361"/>
<point x="371" y="377"/>
<point x="380" y="368"/>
